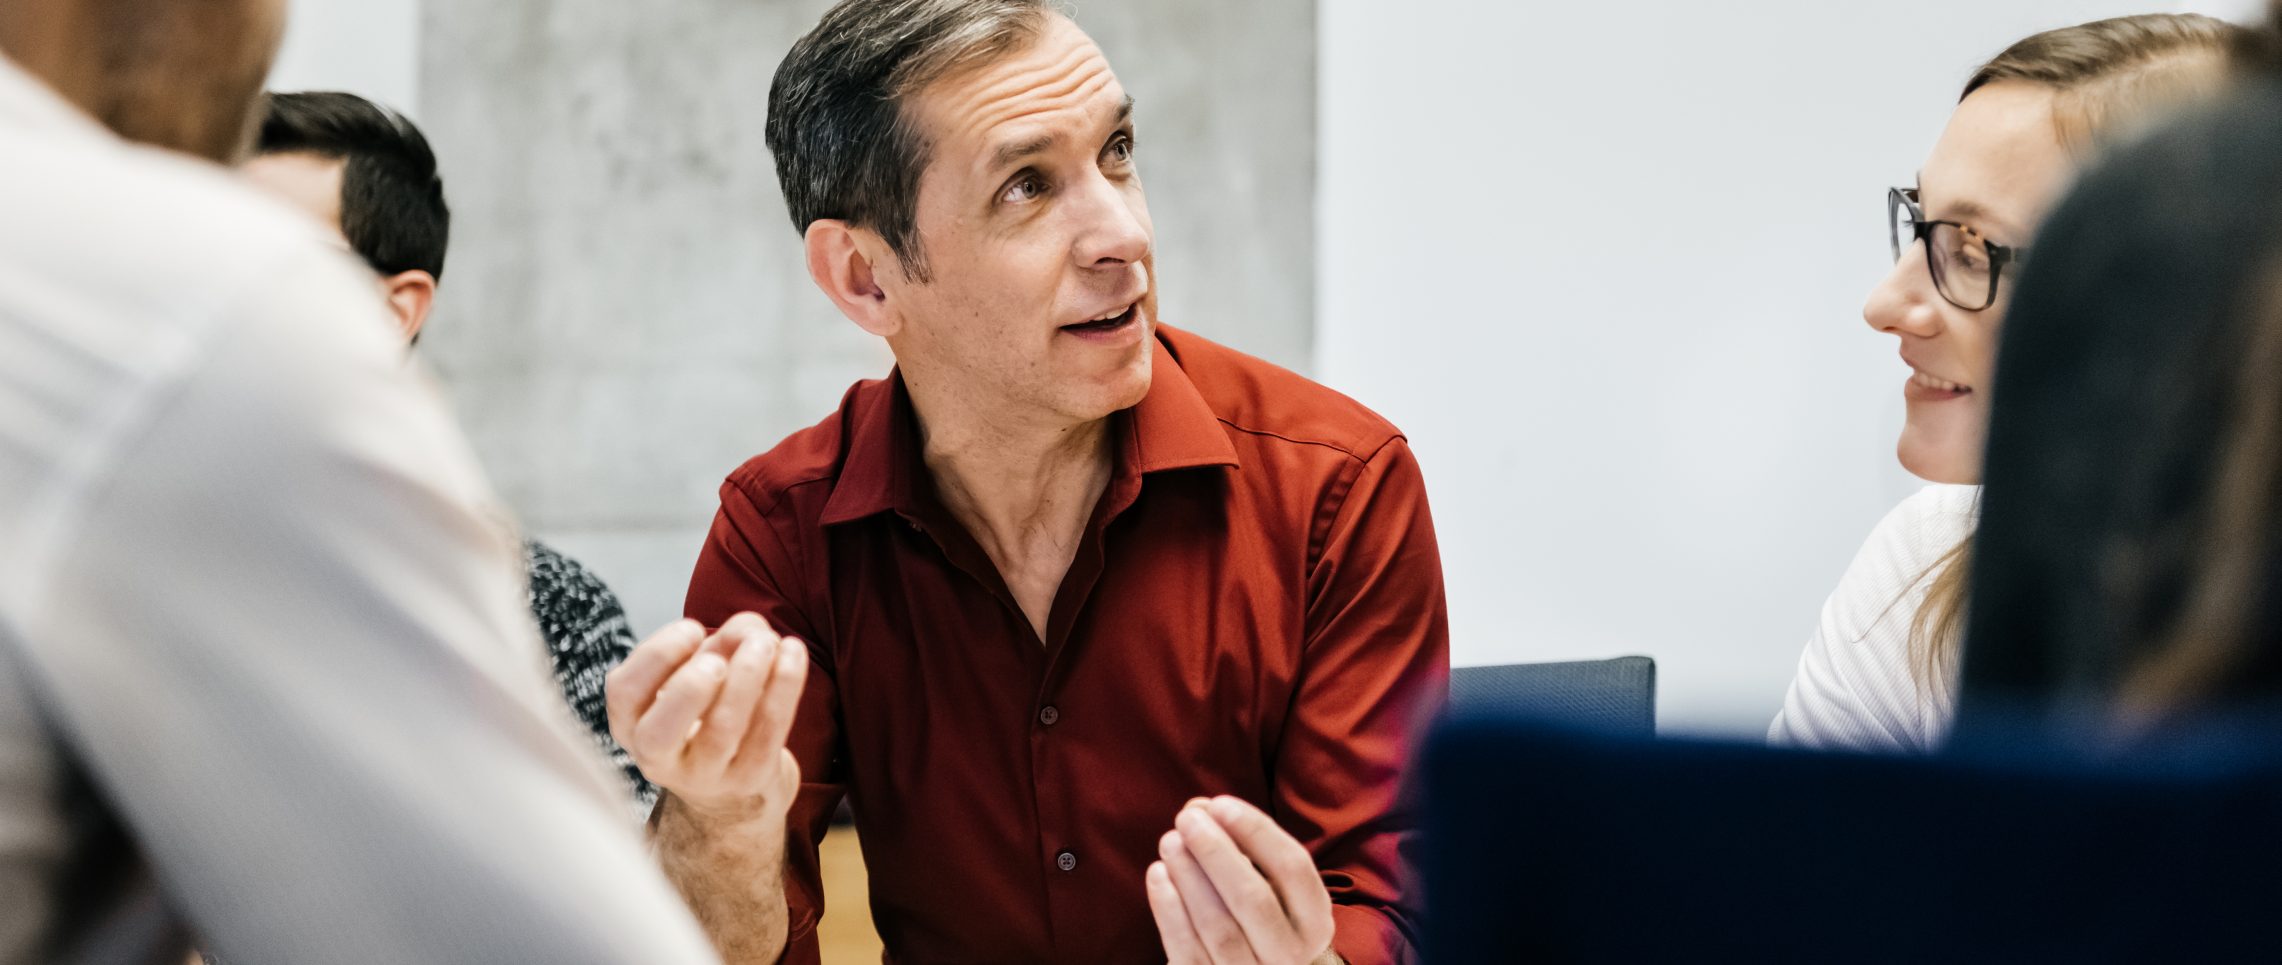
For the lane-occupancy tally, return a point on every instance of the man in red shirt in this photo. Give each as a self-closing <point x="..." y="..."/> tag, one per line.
<point x="1116" y="639"/>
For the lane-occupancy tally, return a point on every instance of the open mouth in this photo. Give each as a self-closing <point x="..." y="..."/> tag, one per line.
<point x="1105" y="324"/>
<point x="1937" y="384"/>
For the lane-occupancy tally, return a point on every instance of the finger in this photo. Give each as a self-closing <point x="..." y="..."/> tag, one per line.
<point x="780" y="702"/>
<point x="1289" y="867"/>
<point x="1246" y="891"/>
<point x="664" y="731"/>
<point x="738" y="630"/>
<point x="630" y="687"/>
<point x="731" y="715"/>
<point x="1182" y="946"/>
<point x="1222" y="936"/>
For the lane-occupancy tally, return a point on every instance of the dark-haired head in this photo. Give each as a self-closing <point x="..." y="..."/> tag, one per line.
<point x="392" y="201"/>
<point x="2131" y="542"/>
<point x="845" y="146"/>
<point x="389" y="201"/>
<point x="964" y="178"/>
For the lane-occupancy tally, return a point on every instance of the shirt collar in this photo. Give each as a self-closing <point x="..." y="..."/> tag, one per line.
<point x="1172" y="427"/>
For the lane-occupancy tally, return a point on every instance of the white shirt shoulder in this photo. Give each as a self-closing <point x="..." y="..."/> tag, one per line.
<point x="254" y="586"/>
<point x="1856" y="688"/>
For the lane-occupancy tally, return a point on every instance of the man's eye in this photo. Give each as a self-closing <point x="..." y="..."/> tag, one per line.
<point x="1025" y="188"/>
<point x="1121" y="150"/>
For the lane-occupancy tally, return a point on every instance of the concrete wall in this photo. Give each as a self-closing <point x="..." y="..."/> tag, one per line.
<point x="369" y="47"/>
<point x="626" y="317"/>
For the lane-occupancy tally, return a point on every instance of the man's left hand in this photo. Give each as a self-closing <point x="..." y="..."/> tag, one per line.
<point x="1233" y="889"/>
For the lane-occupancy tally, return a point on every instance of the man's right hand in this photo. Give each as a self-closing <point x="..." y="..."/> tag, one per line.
<point x="705" y="718"/>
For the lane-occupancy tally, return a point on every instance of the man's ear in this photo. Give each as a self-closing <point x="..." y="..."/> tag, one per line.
<point x="838" y="262"/>
<point x="411" y="294"/>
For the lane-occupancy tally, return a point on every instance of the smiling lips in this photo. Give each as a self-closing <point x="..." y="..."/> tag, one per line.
<point x="1923" y="387"/>
<point x="1937" y="383"/>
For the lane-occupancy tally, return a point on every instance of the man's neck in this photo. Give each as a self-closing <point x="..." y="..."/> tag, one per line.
<point x="50" y="42"/>
<point x="1008" y="479"/>
<point x="1024" y="488"/>
<point x="184" y="77"/>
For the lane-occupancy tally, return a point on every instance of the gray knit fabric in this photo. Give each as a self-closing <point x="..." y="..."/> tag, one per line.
<point x="587" y="634"/>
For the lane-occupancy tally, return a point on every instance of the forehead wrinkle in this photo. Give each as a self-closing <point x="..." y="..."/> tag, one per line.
<point x="1024" y="91"/>
<point x="1022" y="76"/>
<point x="1019" y="99"/>
<point x="1016" y="110"/>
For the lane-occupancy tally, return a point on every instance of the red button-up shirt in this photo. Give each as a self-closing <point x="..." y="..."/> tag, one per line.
<point x="1255" y="609"/>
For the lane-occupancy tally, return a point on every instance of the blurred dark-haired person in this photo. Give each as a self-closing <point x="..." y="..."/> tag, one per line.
<point x="367" y="174"/>
<point x="1880" y="672"/>
<point x="1119" y="637"/>
<point x="265" y="671"/>
<point x="2133" y="512"/>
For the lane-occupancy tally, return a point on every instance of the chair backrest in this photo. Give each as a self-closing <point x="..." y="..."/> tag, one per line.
<point x="1554" y="845"/>
<point x="1617" y="696"/>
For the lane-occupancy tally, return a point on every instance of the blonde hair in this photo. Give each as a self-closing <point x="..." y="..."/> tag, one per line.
<point x="2110" y="77"/>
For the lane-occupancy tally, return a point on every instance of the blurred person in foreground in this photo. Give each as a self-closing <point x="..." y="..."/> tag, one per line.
<point x="367" y="175"/>
<point x="2133" y="516"/>
<point x="1880" y="672"/>
<point x="1120" y="638"/>
<point x="265" y="672"/>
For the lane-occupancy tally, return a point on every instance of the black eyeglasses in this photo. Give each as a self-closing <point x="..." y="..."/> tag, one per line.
<point x="1965" y="266"/>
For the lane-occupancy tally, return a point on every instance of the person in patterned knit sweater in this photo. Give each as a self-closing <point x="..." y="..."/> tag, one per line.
<point x="368" y="172"/>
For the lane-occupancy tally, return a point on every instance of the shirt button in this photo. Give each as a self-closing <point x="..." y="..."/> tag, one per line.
<point x="1048" y="716"/>
<point x="1067" y="861"/>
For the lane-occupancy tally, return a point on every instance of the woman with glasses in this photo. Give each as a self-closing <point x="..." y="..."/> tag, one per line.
<point x="1880" y="671"/>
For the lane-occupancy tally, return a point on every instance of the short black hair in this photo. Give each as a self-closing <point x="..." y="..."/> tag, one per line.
<point x="392" y="199"/>
<point x="844" y="149"/>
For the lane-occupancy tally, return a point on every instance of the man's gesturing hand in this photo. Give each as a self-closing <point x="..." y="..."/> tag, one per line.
<point x="706" y="717"/>
<point x="1234" y="889"/>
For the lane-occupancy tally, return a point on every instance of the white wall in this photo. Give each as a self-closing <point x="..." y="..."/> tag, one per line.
<point x="368" y="47"/>
<point x="1604" y="262"/>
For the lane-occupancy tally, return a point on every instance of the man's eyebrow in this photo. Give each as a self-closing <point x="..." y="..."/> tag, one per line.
<point x="1009" y="153"/>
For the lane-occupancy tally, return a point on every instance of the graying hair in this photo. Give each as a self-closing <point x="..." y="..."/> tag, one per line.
<point x="845" y="149"/>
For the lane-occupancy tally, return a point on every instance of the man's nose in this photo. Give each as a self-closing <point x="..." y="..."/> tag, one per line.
<point x="1116" y="228"/>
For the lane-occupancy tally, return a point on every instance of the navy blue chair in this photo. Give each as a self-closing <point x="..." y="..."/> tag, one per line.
<point x="1551" y="844"/>
<point x="1615" y="696"/>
